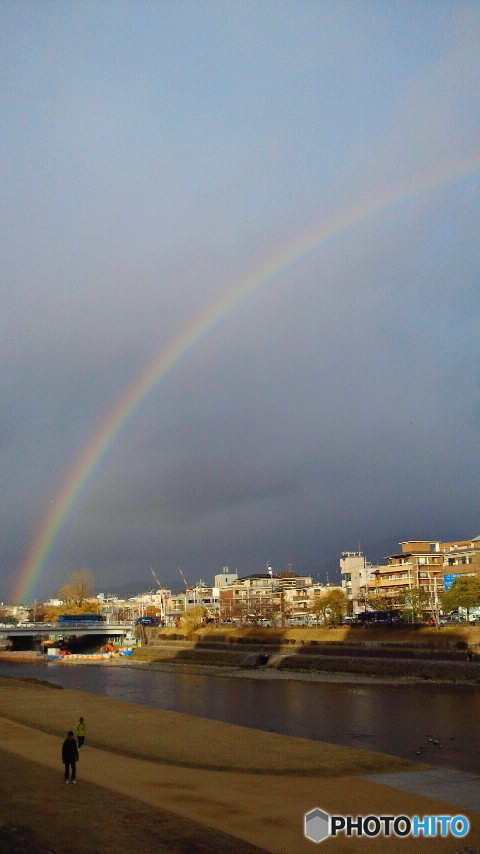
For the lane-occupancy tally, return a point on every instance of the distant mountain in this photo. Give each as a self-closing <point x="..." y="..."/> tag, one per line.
<point x="328" y="570"/>
<point x="127" y="589"/>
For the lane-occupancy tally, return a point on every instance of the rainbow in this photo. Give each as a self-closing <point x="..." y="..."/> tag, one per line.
<point x="167" y="358"/>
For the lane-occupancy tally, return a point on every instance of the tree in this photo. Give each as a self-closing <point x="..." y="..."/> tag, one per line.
<point x="88" y="606"/>
<point x="319" y="609"/>
<point x="378" y="602"/>
<point x="414" y="601"/>
<point x="52" y="613"/>
<point x="192" y="618"/>
<point x="362" y="599"/>
<point x="330" y="607"/>
<point x="7" y="618"/>
<point x="464" y="593"/>
<point x="79" y="588"/>
<point x="286" y="608"/>
<point x="337" y="606"/>
<point x="36" y="614"/>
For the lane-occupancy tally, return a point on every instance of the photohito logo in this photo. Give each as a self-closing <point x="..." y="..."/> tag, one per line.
<point x="319" y="825"/>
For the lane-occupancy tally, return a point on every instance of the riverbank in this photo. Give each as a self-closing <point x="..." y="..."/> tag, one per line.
<point x="425" y="654"/>
<point x="172" y="782"/>
<point x="388" y="655"/>
<point x="146" y="659"/>
<point x="180" y="783"/>
<point x="422" y="635"/>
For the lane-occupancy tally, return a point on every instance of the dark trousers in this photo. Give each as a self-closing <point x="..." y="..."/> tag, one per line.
<point x="71" y="764"/>
<point x="81" y="740"/>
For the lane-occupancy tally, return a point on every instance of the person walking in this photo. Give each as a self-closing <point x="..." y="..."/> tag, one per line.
<point x="70" y="757"/>
<point x="80" y="731"/>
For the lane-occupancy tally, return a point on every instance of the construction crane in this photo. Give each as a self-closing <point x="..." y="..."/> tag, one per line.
<point x="155" y="577"/>
<point x="161" y="590"/>
<point x="187" y="585"/>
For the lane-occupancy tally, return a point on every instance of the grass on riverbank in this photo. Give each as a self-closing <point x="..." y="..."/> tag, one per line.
<point x="425" y="635"/>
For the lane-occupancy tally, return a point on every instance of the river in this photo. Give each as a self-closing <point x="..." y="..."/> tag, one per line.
<point x="394" y="718"/>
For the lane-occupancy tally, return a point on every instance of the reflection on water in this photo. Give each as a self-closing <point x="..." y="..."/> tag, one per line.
<point x="395" y="719"/>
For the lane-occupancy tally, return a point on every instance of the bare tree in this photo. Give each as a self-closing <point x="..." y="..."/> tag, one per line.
<point x="79" y="589"/>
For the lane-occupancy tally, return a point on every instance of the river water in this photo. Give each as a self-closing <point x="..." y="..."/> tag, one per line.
<point x="390" y="718"/>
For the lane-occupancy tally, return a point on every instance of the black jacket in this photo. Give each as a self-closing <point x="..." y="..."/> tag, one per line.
<point x="69" y="750"/>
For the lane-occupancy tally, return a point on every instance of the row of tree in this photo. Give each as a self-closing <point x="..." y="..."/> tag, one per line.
<point x="414" y="604"/>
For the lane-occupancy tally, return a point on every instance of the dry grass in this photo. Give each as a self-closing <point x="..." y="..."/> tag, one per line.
<point x="87" y="819"/>
<point x="445" y="637"/>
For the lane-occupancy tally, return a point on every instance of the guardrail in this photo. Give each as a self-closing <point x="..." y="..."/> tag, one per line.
<point x="103" y="628"/>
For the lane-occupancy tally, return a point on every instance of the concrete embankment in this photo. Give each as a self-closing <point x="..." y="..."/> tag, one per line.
<point x="452" y="655"/>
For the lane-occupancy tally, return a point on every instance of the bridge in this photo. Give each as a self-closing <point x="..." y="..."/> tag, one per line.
<point x="38" y="632"/>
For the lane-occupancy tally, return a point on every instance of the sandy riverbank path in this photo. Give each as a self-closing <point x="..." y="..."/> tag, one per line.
<point x="142" y="763"/>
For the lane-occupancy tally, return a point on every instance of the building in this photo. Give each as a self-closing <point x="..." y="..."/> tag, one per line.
<point x="249" y="599"/>
<point x="427" y="564"/>
<point x="205" y="597"/>
<point x="418" y="565"/>
<point x="225" y="578"/>
<point x="264" y="597"/>
<point x="357" y="576"/>
<point x="462" y="557"/>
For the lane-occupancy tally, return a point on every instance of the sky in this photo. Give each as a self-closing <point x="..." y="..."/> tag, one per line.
<point x="156" y="158"/>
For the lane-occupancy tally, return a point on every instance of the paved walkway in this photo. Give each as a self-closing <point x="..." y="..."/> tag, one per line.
<point x="454" y="787"/>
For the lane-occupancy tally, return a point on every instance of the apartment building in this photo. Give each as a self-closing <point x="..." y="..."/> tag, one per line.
<point x="419" y="564"/>
<point x="429" y="564"/>
<point x="357" y="576"/>
<point x="205" y="596"/>
<point x="249" y="598"/>
<point x="265" y="597"/>
<point x="462" y="557"/>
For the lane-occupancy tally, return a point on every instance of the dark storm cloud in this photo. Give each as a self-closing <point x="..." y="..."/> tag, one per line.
<point x="340" y="401"/>
<point x="185" y="495"/>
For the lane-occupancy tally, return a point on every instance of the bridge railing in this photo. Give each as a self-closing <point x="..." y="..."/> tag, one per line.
<point x="104" y="628"/>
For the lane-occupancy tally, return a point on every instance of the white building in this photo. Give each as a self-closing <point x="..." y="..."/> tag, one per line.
<point x="356" y="575"/>
<point x="225" y="578"/>
<point x="206" y="597"/>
